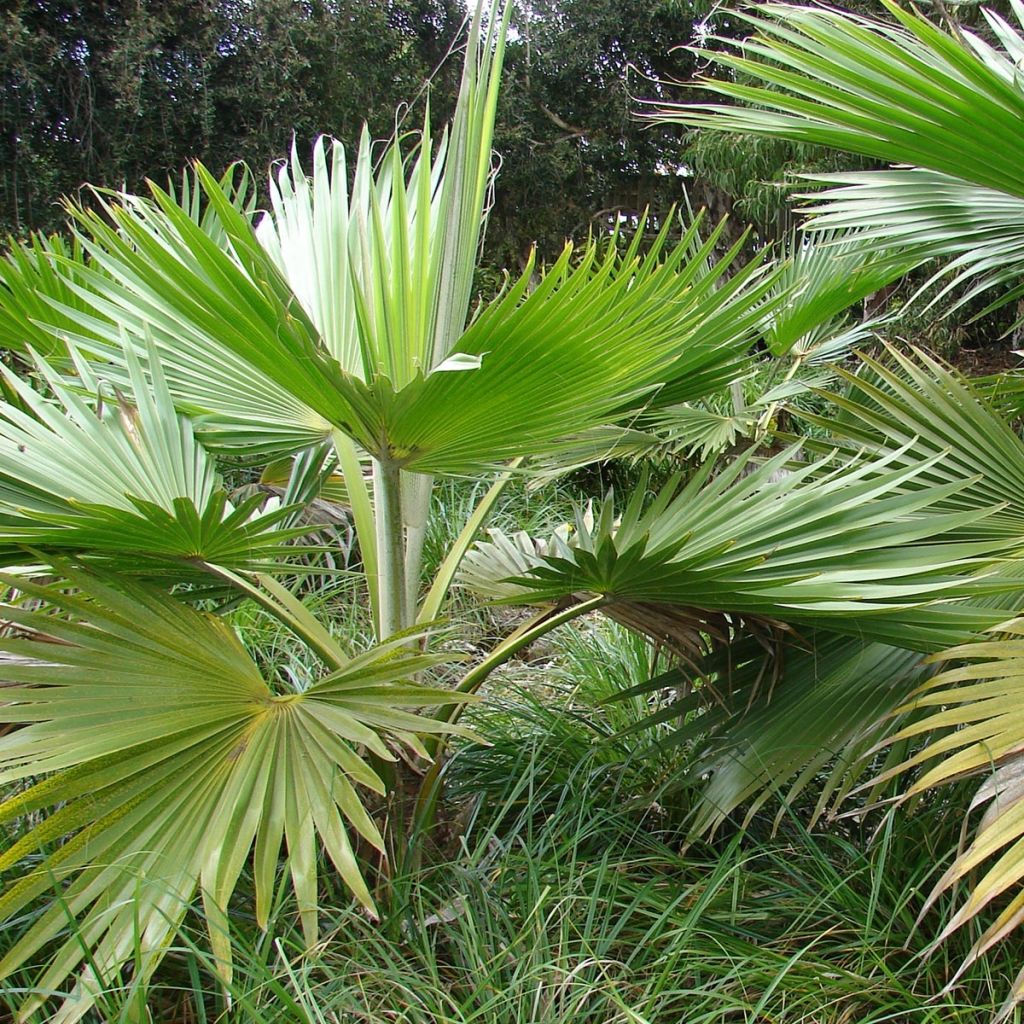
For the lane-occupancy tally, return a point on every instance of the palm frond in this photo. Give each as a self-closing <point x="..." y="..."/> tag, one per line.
<point x="905" y="93"/>
<point x="209" y="763"/>
<point x="977" y="232"/>
<point x="40" y="281"/>
<point x="124" y="482"/>
<point x="823" y="277"/>
<point x="785" y="540"/>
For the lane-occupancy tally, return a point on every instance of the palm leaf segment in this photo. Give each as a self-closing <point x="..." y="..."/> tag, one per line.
<point x="210" y="764"/>
<point x="905" y="94"/>
<point x="124" y="482"/>
<point x="787" y="541"/>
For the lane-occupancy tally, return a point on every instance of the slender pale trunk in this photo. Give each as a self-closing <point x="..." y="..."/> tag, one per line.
<point x="391" y="589"/>
<point x="416" y="492"/>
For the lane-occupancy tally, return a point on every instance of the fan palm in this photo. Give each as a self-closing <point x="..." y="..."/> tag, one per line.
<point x="950" y="111"/>
<point x="335" y="330"/>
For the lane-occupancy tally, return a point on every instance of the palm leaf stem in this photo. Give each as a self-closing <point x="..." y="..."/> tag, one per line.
<point x="417" y="490"/>
<point x="442" y="581"/>
<point x="288" y="610"/>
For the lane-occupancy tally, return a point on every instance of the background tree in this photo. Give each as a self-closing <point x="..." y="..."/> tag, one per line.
<point x="114" y="92"/>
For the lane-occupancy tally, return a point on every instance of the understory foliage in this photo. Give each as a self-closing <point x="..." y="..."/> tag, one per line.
<point x="223" y="425"/>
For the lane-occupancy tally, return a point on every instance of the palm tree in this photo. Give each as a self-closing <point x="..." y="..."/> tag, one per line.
<point x="335" y="330"/>
<point x="946" y="112"/>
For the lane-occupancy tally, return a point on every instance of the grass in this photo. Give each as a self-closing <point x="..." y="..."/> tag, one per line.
<point x="574" y="916"/>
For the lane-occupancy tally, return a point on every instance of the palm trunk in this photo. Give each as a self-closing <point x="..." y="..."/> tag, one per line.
<point x="391" y="589"/>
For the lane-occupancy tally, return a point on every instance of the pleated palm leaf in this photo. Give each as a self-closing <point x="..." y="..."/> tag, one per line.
<point x="783" y="541"/>
<point x="906" y="94"/>
<point x="824" y="279"/>
<point x="914" y="405"/>
<point x="766" y="581"/>
<point x="206" y="765"/>
<point x="124" y="483"/>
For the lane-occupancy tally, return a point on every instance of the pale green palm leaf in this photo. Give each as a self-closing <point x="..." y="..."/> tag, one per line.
<point x="823" y="277"/>
<point x="977" y="232"/>
<point x="209" y="763"/>
<point x="124" y="481"/>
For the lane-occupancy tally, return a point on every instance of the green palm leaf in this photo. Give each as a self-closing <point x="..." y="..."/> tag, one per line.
<point x="823" y="277"/>
<point x="209" y="763"/>
<point x="784" y="540"/>
<point x="978" y="232"/>
<point x="38" y="278"/>
<point x="127" y="483"/>
<point x="906" y="94"/>
<point x="616" y="326"/>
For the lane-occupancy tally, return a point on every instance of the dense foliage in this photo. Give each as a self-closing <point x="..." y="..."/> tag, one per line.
<point x="258" y="706"/>
<point x="115" y="93"/>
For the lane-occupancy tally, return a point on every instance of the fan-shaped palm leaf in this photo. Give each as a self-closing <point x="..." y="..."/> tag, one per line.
<point x="790" y="541"/>
<point x="906" y="94"/>
<point x="823" y="277"/>
<point x="209" y="763"/>
<point x="126" y="482"/>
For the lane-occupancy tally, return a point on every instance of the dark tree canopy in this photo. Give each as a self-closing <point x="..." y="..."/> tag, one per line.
<point x="112" y="91"/>
<point x="115" y="91"/>
<point x="574" y="151"/>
